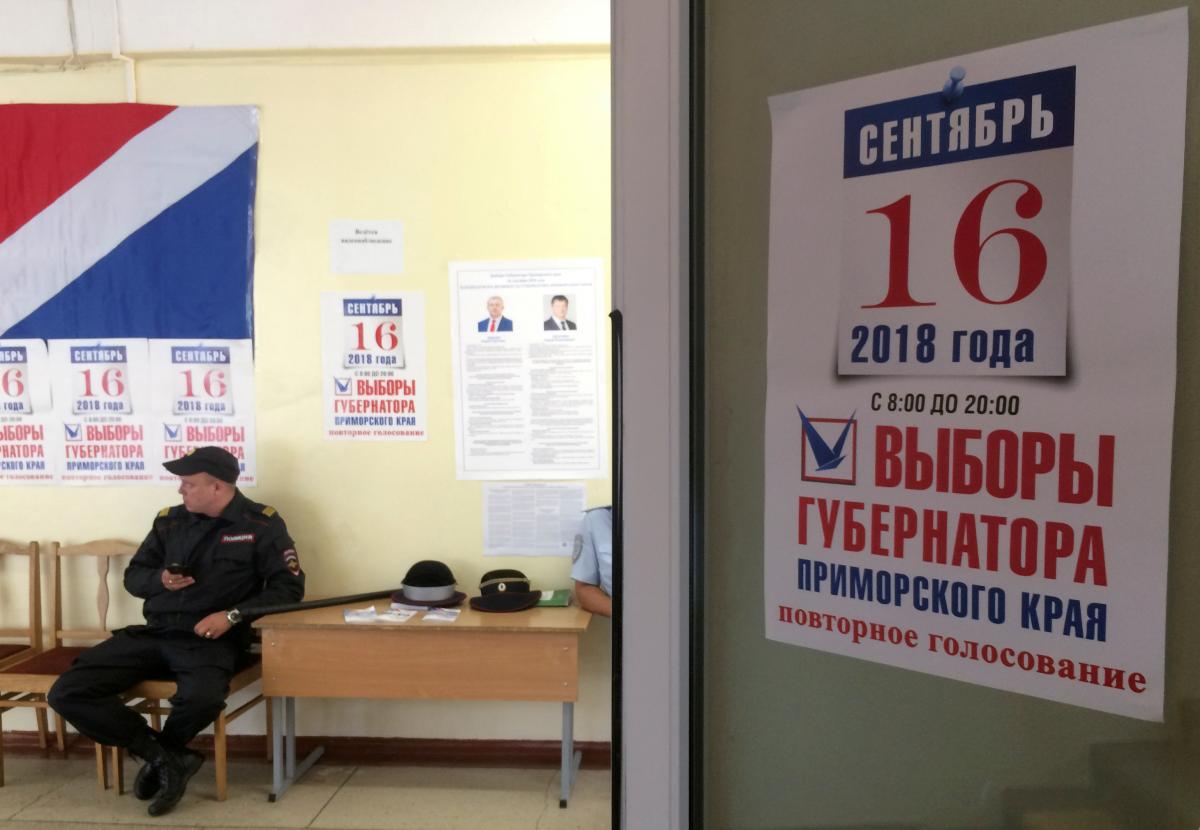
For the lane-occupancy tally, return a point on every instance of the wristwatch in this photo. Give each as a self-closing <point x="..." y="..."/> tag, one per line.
<point x="234" y="616"/>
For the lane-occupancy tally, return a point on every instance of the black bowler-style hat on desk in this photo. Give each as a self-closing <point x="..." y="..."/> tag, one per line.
<point x="505" y="590"/>
<point x="429" y="583"/>
<point x="212" y="460"/>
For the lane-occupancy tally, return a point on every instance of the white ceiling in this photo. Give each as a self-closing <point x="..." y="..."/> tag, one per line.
<point x="40" y="29"/>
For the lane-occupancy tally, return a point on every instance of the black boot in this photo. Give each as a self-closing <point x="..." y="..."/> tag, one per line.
<point x="167" y="767"/>
<point x="147" y="747"/>
<point x="173" y="775"/>
<point x="146" y="784"/>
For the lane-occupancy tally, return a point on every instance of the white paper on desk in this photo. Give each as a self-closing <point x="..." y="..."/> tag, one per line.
<point x="395" y="615"/>
<point x="441" y="615"/>
<point x="531" y="519"/>
<point x="359" y="616"/>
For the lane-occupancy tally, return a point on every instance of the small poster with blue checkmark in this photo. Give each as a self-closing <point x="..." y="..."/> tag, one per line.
<point x="373" y="361"/>
<point x="201" y="393"/>
<point x="101" y="408"/>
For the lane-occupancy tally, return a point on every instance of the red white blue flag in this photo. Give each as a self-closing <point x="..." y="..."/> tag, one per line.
<point x="126" y="221"/>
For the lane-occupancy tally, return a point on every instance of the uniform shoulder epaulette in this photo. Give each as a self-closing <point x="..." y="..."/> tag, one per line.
<point x="163" y="513"/>
<point x="267" y="510"/>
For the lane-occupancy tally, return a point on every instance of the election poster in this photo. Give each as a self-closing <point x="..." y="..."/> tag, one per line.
<point x="529" y="375"/>
<point x="27" y="455"/>
<point x="202" y="393"/>
<point x="373" y="359"/>
<point x="971" y="364"/>
<point x="101" y="403"/>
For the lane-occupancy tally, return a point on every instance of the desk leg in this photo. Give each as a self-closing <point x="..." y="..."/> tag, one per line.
<point x="277" y="749"/>
<point x="284" y="770"/>
<point x="570" y="758"/>
<point x="289" y="749"/>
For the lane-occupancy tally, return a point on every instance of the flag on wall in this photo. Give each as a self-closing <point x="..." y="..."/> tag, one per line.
<point x="126" y="221"/>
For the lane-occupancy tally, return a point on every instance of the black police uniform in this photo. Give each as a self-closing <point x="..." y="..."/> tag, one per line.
<point x="240" y="559"/>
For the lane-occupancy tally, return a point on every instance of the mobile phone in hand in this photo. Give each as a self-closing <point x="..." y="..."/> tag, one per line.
<point x="179" y="569"/>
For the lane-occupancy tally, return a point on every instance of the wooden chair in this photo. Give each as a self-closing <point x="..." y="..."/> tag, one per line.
<point x="148" y="696"/>
<point x="25" y="682"/>
<point x="30" y="637"/>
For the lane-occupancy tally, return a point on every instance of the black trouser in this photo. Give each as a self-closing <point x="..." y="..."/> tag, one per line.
<point x="87" y="695"/>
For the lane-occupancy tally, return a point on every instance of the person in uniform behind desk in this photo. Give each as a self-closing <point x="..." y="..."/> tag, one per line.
<point x="201" y="563"/>
<point x="592" y="562"/>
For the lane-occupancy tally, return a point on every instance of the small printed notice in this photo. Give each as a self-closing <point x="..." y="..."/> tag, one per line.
<point x="26" y="456"/>
<point x="101" y="404"/>
<point x="529" y="377"/>
<point x="530" y="519"/>
<point x="373" y="350"/>
<point x="202" y="393"/>
<point x="366" y="247"/>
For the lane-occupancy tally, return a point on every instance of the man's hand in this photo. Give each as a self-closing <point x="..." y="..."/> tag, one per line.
<point x="212" y="626"/>
<point x="173" y="582"/>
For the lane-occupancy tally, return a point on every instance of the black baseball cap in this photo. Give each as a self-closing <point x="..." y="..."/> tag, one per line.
<point x="215" y="461"/>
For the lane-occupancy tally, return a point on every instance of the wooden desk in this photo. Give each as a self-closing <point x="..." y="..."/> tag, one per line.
<point x="526" y="655"/>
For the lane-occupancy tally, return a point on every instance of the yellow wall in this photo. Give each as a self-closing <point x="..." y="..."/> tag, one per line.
<point x="482" y="155"/>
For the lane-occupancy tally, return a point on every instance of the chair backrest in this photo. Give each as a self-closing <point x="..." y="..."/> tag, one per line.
<point x="104" y="551"/>
<point x="33" y="632"/>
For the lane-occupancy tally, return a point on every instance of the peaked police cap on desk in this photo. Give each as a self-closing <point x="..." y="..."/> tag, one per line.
<point x="505" y="590"/>
<point x="212" y="460"/>
<point x="429" y="583"/>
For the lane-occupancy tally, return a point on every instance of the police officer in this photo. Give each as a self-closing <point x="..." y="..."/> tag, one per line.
<point x="592" y="567"/>
<point x="203" y="567"/>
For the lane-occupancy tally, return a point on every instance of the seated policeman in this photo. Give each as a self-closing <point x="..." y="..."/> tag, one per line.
<point x="202" y="567"/>
<point x="592" y="568"/>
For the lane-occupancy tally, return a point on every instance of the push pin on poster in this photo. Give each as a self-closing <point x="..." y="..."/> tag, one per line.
<point x="953" y="88"/>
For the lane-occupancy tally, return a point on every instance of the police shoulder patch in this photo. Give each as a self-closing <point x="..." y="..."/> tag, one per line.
<point x="268" y="510"/>
<point x="291" y="561"/>
<point x="578" y="549"/>
<point x="162" y="513"/>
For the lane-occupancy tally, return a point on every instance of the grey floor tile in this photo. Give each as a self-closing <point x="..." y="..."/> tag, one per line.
<point x="589" y="808"/>
<point x="16" y="824"/>
<point x="27" y="780"/>
<point x="247" y="805"/>
<point x="421" y="798"/>
<point x="52" y="794"/>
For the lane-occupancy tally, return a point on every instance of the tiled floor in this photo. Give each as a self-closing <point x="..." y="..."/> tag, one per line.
<point x="40" y="794"/>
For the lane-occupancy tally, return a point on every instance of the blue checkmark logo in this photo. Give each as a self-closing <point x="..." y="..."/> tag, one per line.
<point x="172" y="432"/>
<point x="827" y="457"/>
<point x="341" y="386"/>
<point x="74" y="431"/>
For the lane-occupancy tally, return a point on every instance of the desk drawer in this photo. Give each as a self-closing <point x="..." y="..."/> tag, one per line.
<point x="435" y="664"/>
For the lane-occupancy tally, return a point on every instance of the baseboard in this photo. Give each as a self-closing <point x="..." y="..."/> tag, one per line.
<point x="346" y="750"/>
